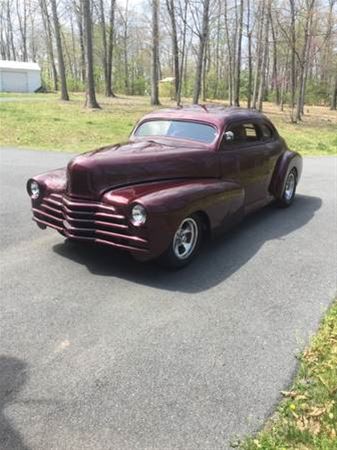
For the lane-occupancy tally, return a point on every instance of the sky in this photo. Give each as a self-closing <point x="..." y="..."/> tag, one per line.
<point x="133" y="4"/>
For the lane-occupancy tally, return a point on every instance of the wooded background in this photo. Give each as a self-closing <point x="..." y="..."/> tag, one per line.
<point x="284" y="51"/>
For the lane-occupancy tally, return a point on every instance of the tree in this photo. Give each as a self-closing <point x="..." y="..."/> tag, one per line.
<point x="100" y="7"/>
<point x="171" y="10"/>
<point x="223" y="49"/>
<point x="333" y="105"/>
<point x="182" y="10"/>
<point x="275" y="78"/>
<point x="155" y="54"/>
<point x="109" y="90"/>
<point x="90" y="96"/>
<point x="200" y="58"/>
<point x="79" y="18"/>
<point x="250" y="59"/>
<point x="264" y="63"/>
<point x="49" y="40"/>
<point x="22" y="20"/>
<point x="259" y="50"/>
<point x="230" y="56"/>
<point x="62" y="70"/>
<point x="303" y="60"/>
<point x="293" y="56"/>
<point x="107" y="34"/>
<point x="238" y="58"/>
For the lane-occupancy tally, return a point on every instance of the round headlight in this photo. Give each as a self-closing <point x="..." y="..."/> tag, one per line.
<point x="138" y="215"/>
<point x="34" y="190"/>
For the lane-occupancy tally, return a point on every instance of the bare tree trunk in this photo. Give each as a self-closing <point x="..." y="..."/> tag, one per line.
<point x="23" y="28"/>
<point x="62" y="71"/>
<point x="2" y="38"/>
<point x="49" y="40"/>
<point x="238" y="59"/>
<point x="204" y="73"/>
<point x="74" y="49"/>
<point x="109" y="90"/>
<point x="304" y="58"/>
<point x="183" y="52"/>
<point x="230" y="56"/>
<point x="275" y="81"/>
<point x="259" y="51"/>
<point x="333" y="105"/>
<point x="186" y="62"/>
<point x="264" y="65"/>
<point x="202" y="42"/>
<point x="79" y="17"/>
<point x="217" y="54"/>
<point x="125" y="48"/>
<point x="155" y="54"/>
<point x="250" y="66"/>
<point x="100" y="8"/>
<point x="10" y="31"/>
<point x="293" y="58"/>
<point x="32" y="40"/>
<point x="171" y="10"/>
<point x="67" y="56"/>
<point x="284" y="80"/>
<point x="90" y="98"/>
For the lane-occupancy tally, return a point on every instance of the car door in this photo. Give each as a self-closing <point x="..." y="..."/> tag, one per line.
<point x="252" y="159"/>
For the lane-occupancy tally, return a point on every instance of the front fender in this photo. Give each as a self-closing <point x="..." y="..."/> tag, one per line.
<point x="288" y="160"/>
<point x="169" y="202"/>
<point x="52" y="181"/>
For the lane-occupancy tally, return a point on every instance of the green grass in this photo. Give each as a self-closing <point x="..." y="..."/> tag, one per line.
<point x="42" y="121"/>
<point x="307" y="417"/>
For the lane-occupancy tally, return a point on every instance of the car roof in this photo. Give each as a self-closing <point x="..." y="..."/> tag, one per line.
<point x="214" y="114"/>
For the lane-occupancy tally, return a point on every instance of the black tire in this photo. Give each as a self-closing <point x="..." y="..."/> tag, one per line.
<point x="178" y="256"/>
<point x="289" y="190"/>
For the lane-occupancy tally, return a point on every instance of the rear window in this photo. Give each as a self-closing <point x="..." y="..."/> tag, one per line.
<point x="194" y="131"/>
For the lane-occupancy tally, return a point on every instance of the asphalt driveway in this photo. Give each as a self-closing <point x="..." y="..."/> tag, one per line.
<point x="100" y="352"/>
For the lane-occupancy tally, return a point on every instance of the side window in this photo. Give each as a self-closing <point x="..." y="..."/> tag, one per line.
<point x="244" y="132"/>
<point x="267" y="133"/>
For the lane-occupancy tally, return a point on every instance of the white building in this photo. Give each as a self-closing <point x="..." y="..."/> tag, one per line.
<point x="17" y="76"/>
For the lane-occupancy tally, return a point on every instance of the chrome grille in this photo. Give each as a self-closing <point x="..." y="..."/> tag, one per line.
<point x="88" y="220"/>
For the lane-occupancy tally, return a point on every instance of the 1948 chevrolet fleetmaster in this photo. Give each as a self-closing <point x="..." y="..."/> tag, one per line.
<point x="183" y="174"/>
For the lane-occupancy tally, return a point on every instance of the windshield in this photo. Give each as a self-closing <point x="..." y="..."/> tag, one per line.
<point x="195" y="131"/>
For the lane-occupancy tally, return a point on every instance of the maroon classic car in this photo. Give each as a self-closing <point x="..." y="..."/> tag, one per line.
<point x="184" y="173"/>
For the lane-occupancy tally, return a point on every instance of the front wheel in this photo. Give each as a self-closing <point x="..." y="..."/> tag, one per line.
<point x="185" y="243"/>
<point x="289" y="191"/>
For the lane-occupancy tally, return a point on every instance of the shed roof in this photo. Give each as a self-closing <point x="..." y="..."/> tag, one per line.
<point x="18" y="65"/>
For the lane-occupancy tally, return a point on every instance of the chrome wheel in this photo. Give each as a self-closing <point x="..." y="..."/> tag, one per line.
<point x="290" y="186"/>
<point x="186" y="238"/>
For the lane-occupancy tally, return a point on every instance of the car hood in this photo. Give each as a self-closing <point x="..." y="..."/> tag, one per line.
<point x="91" y="174"/>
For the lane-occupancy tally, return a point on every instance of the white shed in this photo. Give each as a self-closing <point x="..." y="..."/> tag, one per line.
<point x="17" y="76"/>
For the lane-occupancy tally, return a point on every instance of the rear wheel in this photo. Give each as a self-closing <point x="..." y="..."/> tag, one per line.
<point x="289" y="191"/>
<point x="185" y="243"/>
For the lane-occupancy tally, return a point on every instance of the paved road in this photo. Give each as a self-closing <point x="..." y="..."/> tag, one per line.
<point x="100" y="352"/>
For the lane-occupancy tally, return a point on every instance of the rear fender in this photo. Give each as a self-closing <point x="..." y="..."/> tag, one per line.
<point x="288" y="160"/>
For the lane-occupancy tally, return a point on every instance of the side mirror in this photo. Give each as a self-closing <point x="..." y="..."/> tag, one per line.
<point x="229" y="136"/>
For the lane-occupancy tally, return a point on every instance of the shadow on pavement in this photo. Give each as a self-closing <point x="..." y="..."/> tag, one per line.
<point x="12" y="378"/>
<point x="218" y="260"/>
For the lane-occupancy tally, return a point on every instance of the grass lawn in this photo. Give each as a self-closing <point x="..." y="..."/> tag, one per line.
<point x="42" y="121"/>
<point x="307" y="417"/>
